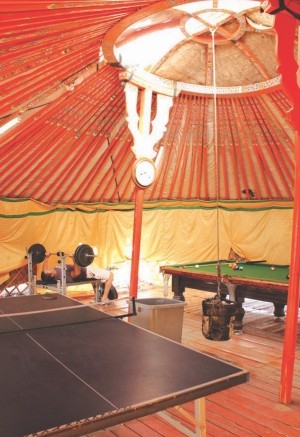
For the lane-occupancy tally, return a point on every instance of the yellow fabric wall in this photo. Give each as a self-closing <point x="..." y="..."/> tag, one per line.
<point x="187" y="232"/>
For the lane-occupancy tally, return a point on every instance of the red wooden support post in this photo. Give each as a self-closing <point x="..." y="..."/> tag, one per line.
<point x="291" y="323"/>
<point x="285" y="25"/>
<point x="136" y="241"/>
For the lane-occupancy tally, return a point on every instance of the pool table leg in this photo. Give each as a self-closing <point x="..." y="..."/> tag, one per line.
<point x="240" y="312"/>
<point x="178" y="288"/>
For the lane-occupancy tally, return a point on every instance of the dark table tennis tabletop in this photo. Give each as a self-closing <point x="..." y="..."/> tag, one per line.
<point x="69" y="369"/>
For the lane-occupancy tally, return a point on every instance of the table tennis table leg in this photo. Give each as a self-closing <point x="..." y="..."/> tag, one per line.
<point x="200" y="417"/>
<point x="198" y="420"/>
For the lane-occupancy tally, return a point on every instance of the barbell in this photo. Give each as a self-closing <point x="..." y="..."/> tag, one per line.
<point x="83" y="255"/>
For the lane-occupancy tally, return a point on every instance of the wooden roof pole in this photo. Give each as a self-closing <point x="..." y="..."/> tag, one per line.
<point x="285" y="25"/>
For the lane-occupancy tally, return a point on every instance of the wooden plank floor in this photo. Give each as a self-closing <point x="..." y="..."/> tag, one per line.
<point x="248" y="410"/>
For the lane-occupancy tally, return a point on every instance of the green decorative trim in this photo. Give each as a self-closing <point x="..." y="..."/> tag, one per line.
<point x="37" y="208"/>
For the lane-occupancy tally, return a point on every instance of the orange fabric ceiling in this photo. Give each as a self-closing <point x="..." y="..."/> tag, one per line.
<point x="73" y="144"/>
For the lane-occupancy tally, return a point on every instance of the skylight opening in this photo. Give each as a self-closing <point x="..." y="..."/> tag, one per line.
<point x="194" y="25"/>
<point x="147" y="50"/>
<point x="229" y="5"/>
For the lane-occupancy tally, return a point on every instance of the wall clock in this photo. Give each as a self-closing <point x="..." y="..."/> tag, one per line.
<point x="144" y="172"/>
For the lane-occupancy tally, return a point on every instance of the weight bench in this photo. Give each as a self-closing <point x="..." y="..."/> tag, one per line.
<point x="61" y="285"/>
<point x="96" y="284"/>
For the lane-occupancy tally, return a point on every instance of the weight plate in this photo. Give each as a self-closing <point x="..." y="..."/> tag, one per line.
<point x="84" y="255"/>
<point x="38" y="253"/>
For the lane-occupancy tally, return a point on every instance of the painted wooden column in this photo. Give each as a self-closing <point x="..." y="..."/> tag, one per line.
<point x="144" y="130"/>
<point x="136" y="242"/>
<point x="146" y="133"/>
<point x="285" y="25"/>
<point x="291" y="323"/>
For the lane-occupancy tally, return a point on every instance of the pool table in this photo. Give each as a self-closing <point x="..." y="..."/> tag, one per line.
<point x="254" y="280"/>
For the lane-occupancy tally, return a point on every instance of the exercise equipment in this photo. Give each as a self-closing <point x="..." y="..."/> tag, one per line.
<point x="38" y="253"/>
<point x="83" y="255"/>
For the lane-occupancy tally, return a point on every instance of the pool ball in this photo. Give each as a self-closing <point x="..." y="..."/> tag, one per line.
<point x="197" y="266"/>
<point x="272" y="268"/>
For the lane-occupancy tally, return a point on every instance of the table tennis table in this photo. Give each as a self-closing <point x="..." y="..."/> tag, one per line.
<point x="68" y="369"/>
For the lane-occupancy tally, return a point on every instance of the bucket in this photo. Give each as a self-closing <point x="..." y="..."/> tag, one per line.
<point x="159" y="315"/>
<point x="218" y="319"/>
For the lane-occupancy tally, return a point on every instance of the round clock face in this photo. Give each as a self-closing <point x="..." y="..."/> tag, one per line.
<point x="144" y="172"/>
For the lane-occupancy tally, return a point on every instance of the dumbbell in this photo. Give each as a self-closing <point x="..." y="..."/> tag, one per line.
<point x="83" y="255"/>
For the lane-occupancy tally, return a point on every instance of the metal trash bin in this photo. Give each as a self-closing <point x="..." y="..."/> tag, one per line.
<point x="159" y="315"/>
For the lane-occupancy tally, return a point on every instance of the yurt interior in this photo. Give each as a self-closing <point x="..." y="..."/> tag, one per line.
<point x="150" y="218"/>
